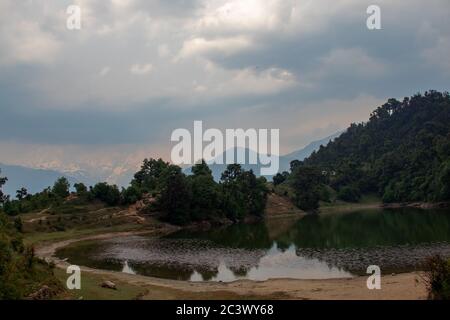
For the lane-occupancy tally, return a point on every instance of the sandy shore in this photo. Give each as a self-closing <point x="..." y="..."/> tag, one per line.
<point x="406" y="286"/>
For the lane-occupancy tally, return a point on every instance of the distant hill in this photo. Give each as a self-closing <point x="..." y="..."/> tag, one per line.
<point x="305" y="152"/>
<point x="402" y="153"/>
<point x="34" y="180"/>
<point x="285" y="161"/>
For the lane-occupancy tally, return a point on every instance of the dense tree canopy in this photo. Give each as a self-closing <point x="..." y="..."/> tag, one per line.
<point x="402" y="153"/>
<point x="178" y="198"/>
<point x="198" y="197"/>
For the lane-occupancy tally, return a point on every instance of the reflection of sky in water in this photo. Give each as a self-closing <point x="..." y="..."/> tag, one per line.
<point x="127" y="269"/>
<point x="199" y="258"/>
<point x="204" y="260"/>
<point x="279" y="264"/>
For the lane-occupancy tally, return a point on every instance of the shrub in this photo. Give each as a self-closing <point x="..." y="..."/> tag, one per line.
<point x="437" y="278"/>
<point x="349" y="194"/>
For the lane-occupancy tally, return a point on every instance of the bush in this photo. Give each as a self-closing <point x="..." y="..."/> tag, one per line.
<point x="21" y="273"/>
<point x="437" y="278"/>
<point x="349" y="194"/>
<point x="106" y="193"/>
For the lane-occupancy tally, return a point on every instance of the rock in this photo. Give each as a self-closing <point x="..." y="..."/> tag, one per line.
<point x="109" y="285"/>
<point x="44" y="293"/>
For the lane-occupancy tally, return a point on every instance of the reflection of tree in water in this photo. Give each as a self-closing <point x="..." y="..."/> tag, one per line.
<point x="185" y="272"/>
<point x="162" y="271"/>
<point x="389" y="259"/>
<point x="180" y="258"/>
<point x="368" y="229"/>
<point x="242" y="271"/>
<point x="244" y="236"/>
<point x="208" y="275"/>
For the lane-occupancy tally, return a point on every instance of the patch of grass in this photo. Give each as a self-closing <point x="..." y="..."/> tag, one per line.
<point x="39" y="237"/>
<point x="91" y="288"/>
<point x="366" y="201"/>
<point x="42" y="274"/>
<point x="284" y="190"/>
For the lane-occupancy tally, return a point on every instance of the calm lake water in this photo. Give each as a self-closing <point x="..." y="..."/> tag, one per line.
<point x="312" y="247"/>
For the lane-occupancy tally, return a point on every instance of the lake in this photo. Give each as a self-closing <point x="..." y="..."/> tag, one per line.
<point x="333" y="245"/>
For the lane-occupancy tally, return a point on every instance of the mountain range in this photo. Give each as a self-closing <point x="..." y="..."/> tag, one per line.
<point x="284" y="161"/>
<point x="35" y="180"/>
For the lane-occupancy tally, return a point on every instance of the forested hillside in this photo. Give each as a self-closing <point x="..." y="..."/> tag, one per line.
<point x="402" y="153"/>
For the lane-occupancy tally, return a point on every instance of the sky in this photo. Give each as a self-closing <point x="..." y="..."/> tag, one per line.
<point x="110" y="94"/>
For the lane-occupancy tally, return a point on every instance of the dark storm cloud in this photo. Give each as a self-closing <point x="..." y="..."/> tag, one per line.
<point x="66" y="88"/>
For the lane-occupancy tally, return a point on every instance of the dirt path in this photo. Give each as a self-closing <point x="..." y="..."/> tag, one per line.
<point x="407" y="286"/>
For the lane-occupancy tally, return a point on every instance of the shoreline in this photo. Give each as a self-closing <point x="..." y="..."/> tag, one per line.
<point x="381" y="205"/>
<point x="405" y="286"/>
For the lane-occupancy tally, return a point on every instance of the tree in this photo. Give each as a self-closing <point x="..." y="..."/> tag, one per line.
<point x="201" y="169"/>
<point x="80" y="189"/>
<point x="279" y="178"/>
<point x="205" y="192"/>
<point x="349" y="194"/>
<point x="255" y="192"/>
<point x="232" y="198"/>
<point x="2" y="183"/>
<point x="61" y="187"/>
<point x="294" y="164"/>
<point x="307" y="182"/>
<point x="175" y="195"/>
<point x="130" y="195"/>
<point x="242" y="193"/>
<point x="21" y="193"/>
<point x="106" y="193"/>
<point x="148" y="178"/>
<point x="231" y="173"/>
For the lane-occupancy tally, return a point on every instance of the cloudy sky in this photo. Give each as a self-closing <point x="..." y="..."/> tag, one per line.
<point x="112" y="93"/>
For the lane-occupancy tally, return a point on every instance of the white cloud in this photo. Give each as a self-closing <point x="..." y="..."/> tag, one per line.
<point x="201" y="46"/>
<point x="104" y="71"/>
<point x="26" y="42"/>
<point x="241" y="82"/>
<point x="244" y="15"/>
<point x="263" y="82"/>
<point x="141" y="69"/>
<point x="234" y="35"/>
<point x="353" y="62"/>
<point x="163" y="50"/>
<point x="237" y="54"/>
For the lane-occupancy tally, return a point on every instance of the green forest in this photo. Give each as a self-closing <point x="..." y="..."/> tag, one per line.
<point x="402" y="154"/>
<point x="178" y="198"/>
